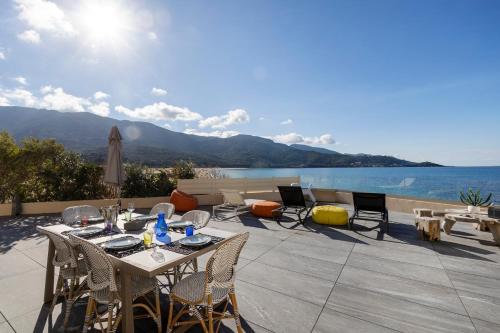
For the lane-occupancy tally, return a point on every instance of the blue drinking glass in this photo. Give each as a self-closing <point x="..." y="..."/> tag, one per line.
<point x="189" y="231"/>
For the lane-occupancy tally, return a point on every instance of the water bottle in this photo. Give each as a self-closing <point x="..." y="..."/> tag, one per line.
<point x="162" y="229"/>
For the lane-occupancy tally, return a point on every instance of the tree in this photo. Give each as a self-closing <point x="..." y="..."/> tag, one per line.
<point x="41" y="170"/>
<point x="9" y="164"/>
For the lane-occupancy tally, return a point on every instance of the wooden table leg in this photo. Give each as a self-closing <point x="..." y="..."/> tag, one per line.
<point x="447" y="225"/>
<point x="126" y="295"/>
<point x="49" y="275"/>
<point x="495" y="231"/>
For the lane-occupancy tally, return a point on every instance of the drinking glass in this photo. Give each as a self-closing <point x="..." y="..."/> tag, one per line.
<point x="130" y="208"/>
<point x="189" y="230"/>
<point x="148" y="238"/>
<point x="157" y="256"/>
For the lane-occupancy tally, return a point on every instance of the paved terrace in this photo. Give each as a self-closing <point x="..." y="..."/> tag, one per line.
<point x="308" y="279"/>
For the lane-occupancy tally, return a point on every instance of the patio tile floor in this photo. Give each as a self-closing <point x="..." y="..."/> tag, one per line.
<point x="306" y="279"/>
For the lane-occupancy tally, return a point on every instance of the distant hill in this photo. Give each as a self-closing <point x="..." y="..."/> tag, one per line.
<point x="156" y="146"/>
<point x="315" y="149"/>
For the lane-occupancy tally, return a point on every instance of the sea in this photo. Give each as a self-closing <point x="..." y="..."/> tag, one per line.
<point x="444" y="183"/>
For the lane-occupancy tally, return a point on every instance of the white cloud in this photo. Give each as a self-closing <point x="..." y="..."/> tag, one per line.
<point x="29" y="36"/>
<point x="236" y="116"/>
<point x="18" y="96"/>
<point x="100" y="109"/>
<point x="57" y="99"/>
<point x="100" y="95"/>
<point x="160" y="111"/>
<point x="219" y="134"/>
<point x="158" y="92"/>
<point x="2" y="55"/>
<point x="291" y="138"/>
<point x="287" y="122"/>
<point x="42" y="15"/>
<point x="152" y="35"/>
<point x="262" y="118"/>
<point x="20" y="80"/>
<point x="53" y="99"/>
<point x="46" y="89"/>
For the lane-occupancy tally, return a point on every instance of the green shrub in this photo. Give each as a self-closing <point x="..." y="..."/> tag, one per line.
<point x="141" y="181"/>
<point x="183" y="170"/>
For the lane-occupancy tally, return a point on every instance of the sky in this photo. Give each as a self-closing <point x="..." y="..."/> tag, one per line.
<point x="418" y="80"/>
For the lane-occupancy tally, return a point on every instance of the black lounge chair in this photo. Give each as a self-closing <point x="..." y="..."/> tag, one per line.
<point x="370" y="205"/>
<point x="293" y="202"/>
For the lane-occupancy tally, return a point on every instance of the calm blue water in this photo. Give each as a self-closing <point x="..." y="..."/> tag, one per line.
<point x="437" y="183"/>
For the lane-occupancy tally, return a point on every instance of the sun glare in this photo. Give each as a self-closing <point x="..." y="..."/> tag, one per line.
<point x="105" y="22"/>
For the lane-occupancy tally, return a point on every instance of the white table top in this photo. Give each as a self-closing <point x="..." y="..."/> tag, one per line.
<point x="143" y="260"/>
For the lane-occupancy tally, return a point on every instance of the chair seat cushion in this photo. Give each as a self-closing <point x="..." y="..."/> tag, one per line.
<point x="183" y="202"/>
<point x="264" y="208"/>
<point x="331" y="215"/>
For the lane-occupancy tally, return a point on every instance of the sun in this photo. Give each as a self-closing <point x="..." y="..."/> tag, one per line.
<point x="104" y="22"/>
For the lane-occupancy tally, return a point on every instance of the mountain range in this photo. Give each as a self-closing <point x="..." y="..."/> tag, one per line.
<point x="152" y="145"/>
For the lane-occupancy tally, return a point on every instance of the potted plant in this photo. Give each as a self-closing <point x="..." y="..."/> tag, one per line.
<point x="474" y="200"/>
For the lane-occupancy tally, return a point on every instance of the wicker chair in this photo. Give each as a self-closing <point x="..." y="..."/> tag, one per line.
<point x="71" y="270"/>
<point x="104" y="285"/>
<point x="200" y="219"/>
<point x="165" y="207"/>
<point x="71" y="215"/>
<point x="199" y="292"/>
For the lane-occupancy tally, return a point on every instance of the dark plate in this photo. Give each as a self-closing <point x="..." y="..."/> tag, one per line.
<point x="122" y="243"/>
<point x="180" y="224"/>
<point x="144" y="218"/>
<point x="86" y="232"/>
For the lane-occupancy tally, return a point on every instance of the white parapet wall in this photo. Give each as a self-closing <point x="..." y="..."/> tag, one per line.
<point x="207" y="191"/>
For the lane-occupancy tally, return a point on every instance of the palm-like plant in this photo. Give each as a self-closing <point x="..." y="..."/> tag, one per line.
<point x="474" y="198"/>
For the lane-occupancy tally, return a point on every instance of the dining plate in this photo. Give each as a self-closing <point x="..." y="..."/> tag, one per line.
<point x="122" y="243"/>
<point x="196" y="240"/>
<point x="144" y="218"/>
<point x="86" y="232"/>
<point x="180" y="224"/>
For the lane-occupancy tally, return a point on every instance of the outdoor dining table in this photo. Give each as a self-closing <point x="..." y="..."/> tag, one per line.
<point x="140" y="263"/>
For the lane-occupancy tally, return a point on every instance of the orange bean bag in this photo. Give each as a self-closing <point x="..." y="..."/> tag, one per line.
<point x="264" y="208"/>
<point x="183" y="202"/>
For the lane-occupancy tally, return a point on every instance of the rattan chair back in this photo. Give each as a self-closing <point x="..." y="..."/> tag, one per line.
<point x="220" y="269"/>
<point x="164" y="207"/>
<point x="65" y="254"/>
<point x="72" y="214"/>
<point x="101" y="270"/>
<point x="199" y="218"/>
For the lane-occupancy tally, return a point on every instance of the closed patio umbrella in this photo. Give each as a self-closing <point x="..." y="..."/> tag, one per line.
<point x="113" y="175"/>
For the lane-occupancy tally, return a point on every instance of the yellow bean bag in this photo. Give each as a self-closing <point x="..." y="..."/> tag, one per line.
<point x="331" y="215"/>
